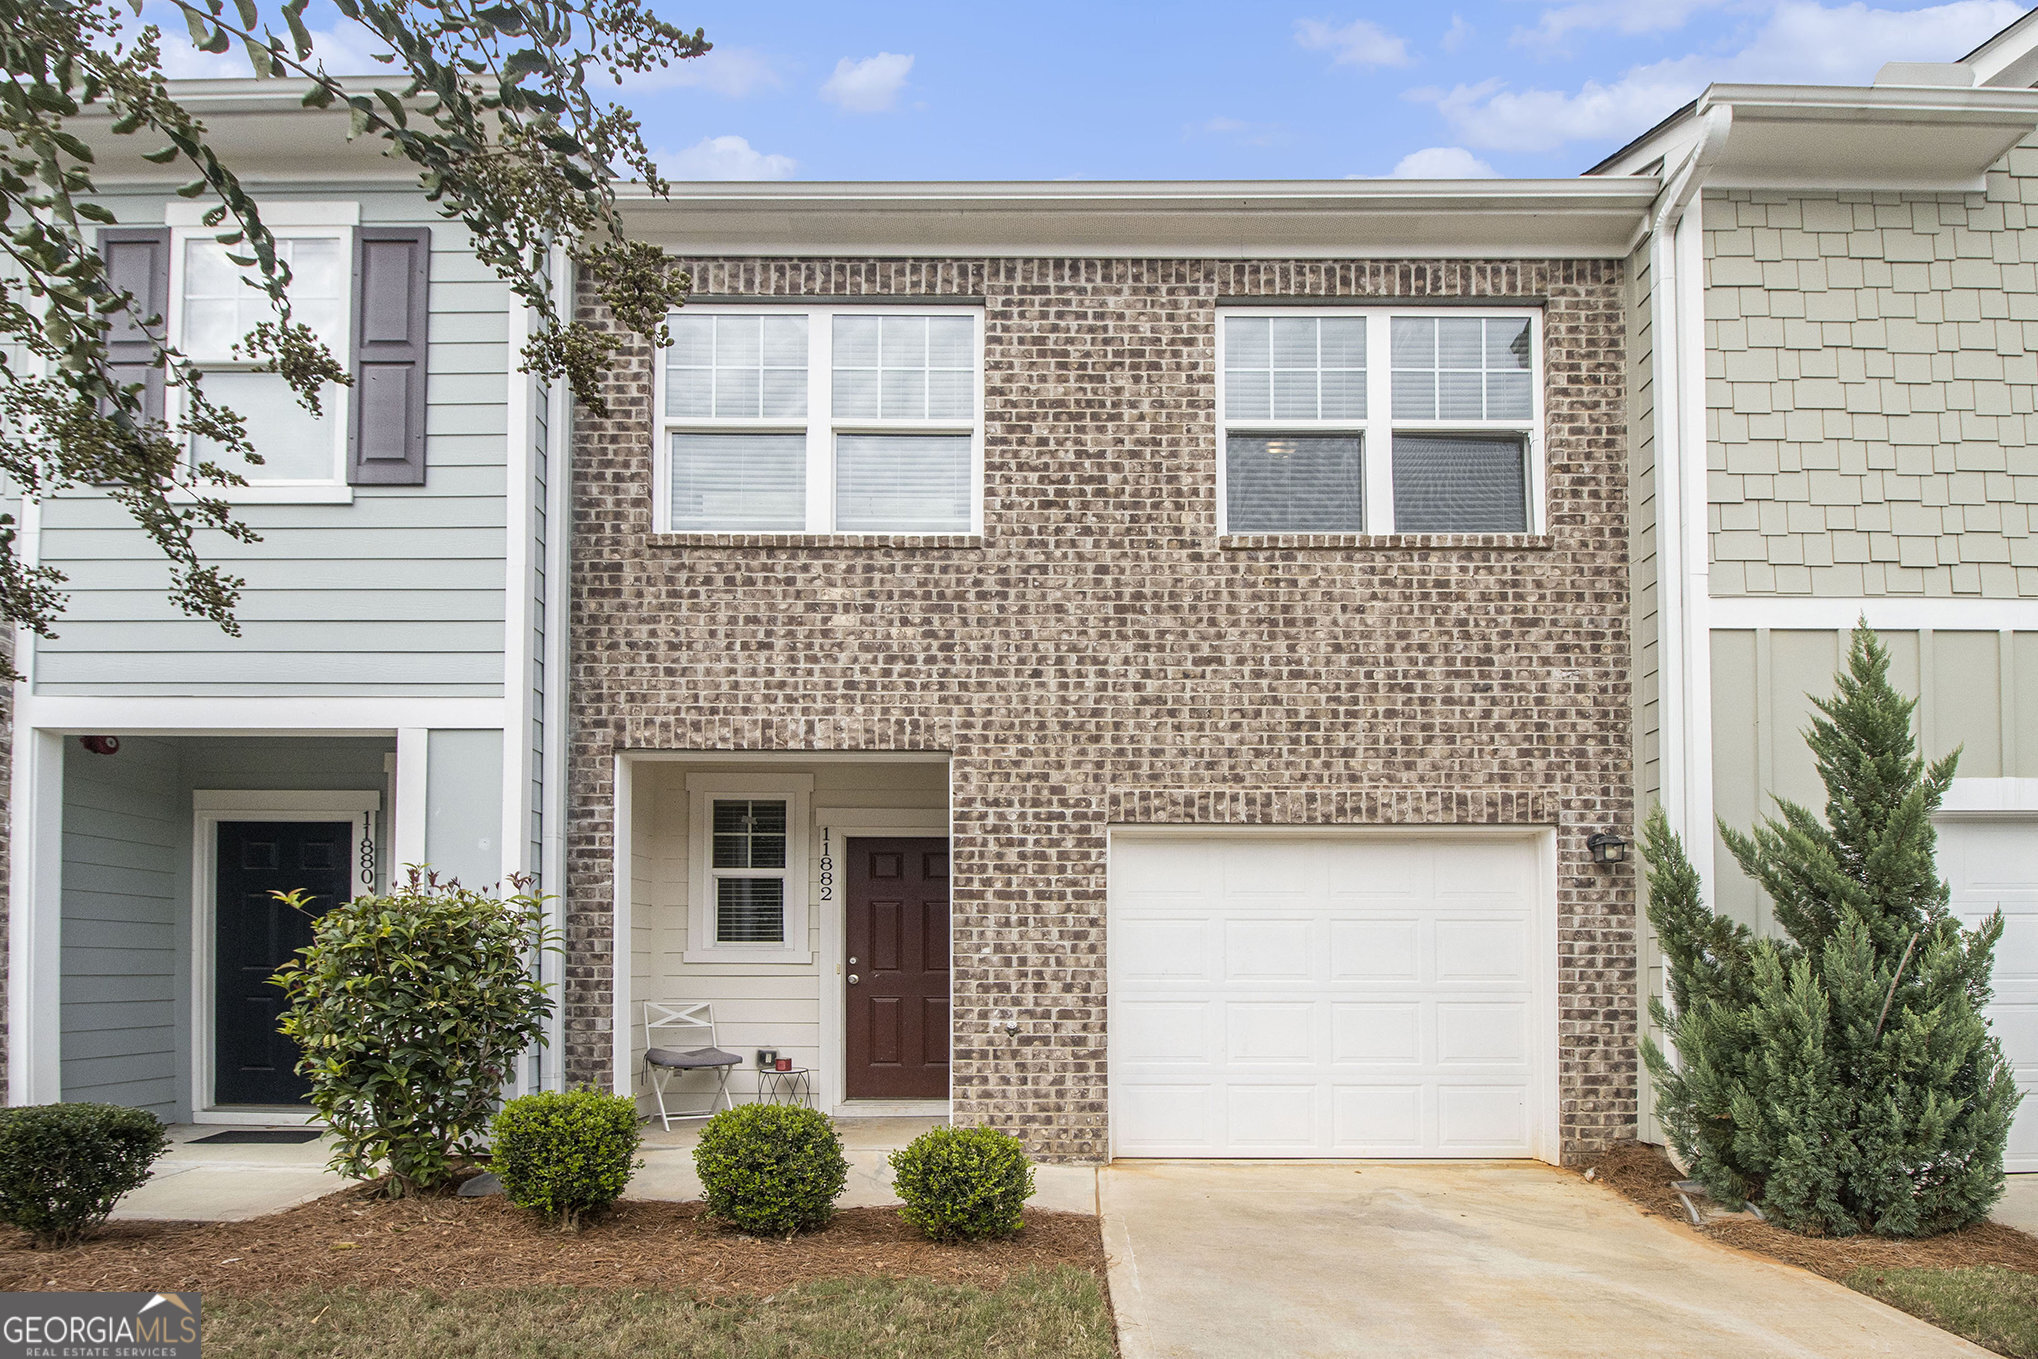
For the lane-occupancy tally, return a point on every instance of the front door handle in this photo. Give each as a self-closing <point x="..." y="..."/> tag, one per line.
<point x="852" y="979"/>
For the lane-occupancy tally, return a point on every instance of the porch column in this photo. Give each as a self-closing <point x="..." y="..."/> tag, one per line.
<point x="35" y="918"/>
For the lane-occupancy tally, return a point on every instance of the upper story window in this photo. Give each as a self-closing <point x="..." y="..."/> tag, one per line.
<point x="217" y="305"/>
<point x="1380" y="421"/>
<point x="822" y="420"/>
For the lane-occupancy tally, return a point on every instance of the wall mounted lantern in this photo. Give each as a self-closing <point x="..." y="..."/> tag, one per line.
<point x="1607" y="848"/>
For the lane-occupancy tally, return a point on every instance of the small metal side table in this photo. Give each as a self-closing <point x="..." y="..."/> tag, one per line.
<point x="786" y="1087"/>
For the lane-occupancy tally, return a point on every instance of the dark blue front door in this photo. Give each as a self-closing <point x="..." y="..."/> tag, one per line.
<point x="256" y="934"/>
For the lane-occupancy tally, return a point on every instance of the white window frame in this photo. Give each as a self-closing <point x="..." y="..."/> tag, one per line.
<point x="285" y="220"/>
<point x="1376" y="431"/>
<point x="796" y="791"/>
<point x="820" y="426"/>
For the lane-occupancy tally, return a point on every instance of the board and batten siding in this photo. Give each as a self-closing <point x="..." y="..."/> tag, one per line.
<point x="1872" y="377"/>
<point x="401" y="591"/>
<point x="123" y="964"/>
<point x="756" y="1005"/>
<point x="1976" y="690"/>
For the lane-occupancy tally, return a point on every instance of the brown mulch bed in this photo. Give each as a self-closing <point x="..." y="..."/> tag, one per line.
<point x="1643" y="1174"/>
<point x="350" y="1239"/>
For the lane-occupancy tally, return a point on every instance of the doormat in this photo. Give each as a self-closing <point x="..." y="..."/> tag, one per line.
<point x="243" y="1136"/>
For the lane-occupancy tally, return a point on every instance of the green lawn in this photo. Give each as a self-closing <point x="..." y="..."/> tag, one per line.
<point x="1992" y="1306"/>
<point x="1036" y="1316"/>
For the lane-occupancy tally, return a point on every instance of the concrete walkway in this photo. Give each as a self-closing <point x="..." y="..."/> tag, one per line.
<point x="233" y="1182"/>
<point x="1494" y="1259"/>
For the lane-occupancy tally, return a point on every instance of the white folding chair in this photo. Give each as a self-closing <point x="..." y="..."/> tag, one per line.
<point x="662" y="1064"/>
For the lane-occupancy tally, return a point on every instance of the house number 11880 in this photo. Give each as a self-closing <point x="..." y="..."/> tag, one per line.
<point x="827" y="867"/>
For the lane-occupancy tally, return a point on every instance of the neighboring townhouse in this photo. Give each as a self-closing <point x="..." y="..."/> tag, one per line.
<point x="390" y="699"/>
<point x="1140" y="665"/>
<point x="1834" y="405"/>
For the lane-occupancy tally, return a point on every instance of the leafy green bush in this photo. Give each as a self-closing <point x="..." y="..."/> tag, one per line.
<point x="64" y="1166"/>
<point x="963" y="1184"/>
<point x="771" y="1169"/>
<point x="567" y="1154"/>
<point x="412" y="1010"/>
<point x="1842" y="1075"/>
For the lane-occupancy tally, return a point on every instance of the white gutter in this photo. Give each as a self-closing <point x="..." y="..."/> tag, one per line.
<point x="553" y="772"/>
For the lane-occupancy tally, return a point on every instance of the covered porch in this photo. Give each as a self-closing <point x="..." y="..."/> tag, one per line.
<point x="143" y="933"/>
<point x="805" y="899"/>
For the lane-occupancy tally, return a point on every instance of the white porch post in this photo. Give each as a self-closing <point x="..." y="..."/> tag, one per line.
<point x="619" y="935"/>
<point x="35" y="918"/>
<point x="408" y="817"/>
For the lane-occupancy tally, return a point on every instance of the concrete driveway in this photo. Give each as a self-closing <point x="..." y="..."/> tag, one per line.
<point x="1486" y="1259"/>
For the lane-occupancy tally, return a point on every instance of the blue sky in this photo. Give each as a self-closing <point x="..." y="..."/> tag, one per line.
<point x="1107" y="90"/>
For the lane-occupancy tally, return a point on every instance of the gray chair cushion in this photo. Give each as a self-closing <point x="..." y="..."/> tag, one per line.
<point x="692" y="1059"/>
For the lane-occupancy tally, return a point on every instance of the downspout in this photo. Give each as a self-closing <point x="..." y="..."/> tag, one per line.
<point x="1676" y="323"/>
<point x="1684" y="653"/>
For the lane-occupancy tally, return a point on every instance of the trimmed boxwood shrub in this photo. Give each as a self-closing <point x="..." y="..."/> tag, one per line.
<point x="64" y="1166"/>
<point x="771" y="1169"/>
<point x="963" y="1184"/>
<point x="565" y="1154"/>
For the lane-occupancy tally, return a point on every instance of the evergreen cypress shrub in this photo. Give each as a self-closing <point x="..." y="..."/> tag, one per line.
<point x="963" y="1184"/>
<point x="771" y="1169"/>
<point x="1843" y="1075"/>
<point x="64" y="1166"/>
<point x="412" y="1011"/>
<point x="565" y="1154"/>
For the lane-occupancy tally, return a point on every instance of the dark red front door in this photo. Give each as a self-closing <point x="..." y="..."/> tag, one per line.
<point x="896" y="969"/>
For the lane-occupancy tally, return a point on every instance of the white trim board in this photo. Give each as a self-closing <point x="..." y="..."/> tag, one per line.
<point x="1986" y="797"/>
<point x="1839" y="615"/>
<point x="209" y="807"/>
<point x="228" y="715"/>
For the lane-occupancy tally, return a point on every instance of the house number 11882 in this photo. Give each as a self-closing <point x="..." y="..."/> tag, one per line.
<point x="827" y="867"/>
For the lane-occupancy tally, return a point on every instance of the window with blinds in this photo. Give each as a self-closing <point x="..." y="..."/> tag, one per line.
<point x="827" y="420"/>
<point x="748" y="853"/>
<point x="1369" y="420"/>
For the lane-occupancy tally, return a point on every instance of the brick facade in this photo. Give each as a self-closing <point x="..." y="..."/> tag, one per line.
<point x="1100" y="657"/>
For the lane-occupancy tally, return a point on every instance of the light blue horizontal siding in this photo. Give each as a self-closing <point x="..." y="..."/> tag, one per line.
<point x="123" y="853"/>
<point x="400" y="592"/>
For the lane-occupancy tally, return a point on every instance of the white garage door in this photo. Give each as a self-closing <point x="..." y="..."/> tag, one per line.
<point x="1992" y="865"/>
<point x="1328" y="996"/>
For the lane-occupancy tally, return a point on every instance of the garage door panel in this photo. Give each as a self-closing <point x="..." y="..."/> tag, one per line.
<point x="1269" y="950"/>
<point x="1166" y="1032"/>
<point x="1375" y="950"/>
<point x="1376" y="1033"/>
<point x="1166" y="949"/>
<point x="1269" y="1033"/>
<point x="1482" y="1034"/>
<point x="1478" y="1120"/>
<point x="1484" y="950"/>
<point x="1327" y="1021"/>
<point x="1377" y="1120"/>
<point x="1272" y="1120"/>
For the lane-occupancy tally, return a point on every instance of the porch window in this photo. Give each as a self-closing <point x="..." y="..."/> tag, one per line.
<point x="1375" y="421"/>
<point x="822" y="420"/>
<point x="749" y="870"/>
<point x="749" y="883"/>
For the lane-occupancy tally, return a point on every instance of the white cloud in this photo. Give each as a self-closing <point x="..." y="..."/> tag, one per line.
<point x="730" y="71"/>
<point x="1442" y="162"/>
<point x="1359" y="43"/>
<point x="724" y="158"/>
<point x="1628" y="17"/>
<point x="867" y="86"/>
<point x="346" y="49"/>
<point x="1802" y="41"/>
<point x="1455" y="36"/>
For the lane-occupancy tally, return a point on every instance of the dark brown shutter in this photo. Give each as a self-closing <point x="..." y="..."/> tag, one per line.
<point x="138" y="262"/>
<point x="386" y="435"/>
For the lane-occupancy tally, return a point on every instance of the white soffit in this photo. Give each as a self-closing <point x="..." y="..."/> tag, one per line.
<point x="1901" y="138"/>
<point x="1351" y="219"/>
